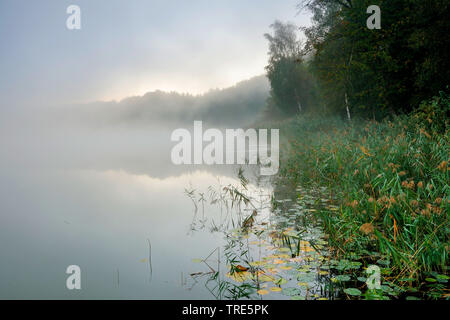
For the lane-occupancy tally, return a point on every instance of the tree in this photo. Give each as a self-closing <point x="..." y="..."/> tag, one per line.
<point x="291" y="84"/>
<point x="379" y="71"/>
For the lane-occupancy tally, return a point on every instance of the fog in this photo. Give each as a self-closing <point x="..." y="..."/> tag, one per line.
<point x="239" y="105"/>
<point x="89" y="184"/>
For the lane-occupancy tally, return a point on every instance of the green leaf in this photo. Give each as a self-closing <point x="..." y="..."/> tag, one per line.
<point x="353" y="291"/>
<point x="442" y="278"/>
<point x="343" y="277"/>
<point x="291" y="291"/>
<point x="362" y="279"/>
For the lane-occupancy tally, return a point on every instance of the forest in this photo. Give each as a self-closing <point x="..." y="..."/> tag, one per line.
<point x="366" y="116"/>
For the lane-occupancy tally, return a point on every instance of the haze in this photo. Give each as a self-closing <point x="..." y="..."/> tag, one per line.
<point x="128" y="48"/>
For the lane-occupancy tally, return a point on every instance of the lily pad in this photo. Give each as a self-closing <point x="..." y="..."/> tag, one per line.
<point x="262" y="292"/>
<point x="353" y="291"/>
<point x="362" y="279"/>
<point x="306" y="277"/>
<point x="343" y="277"/>
<point x="303" y="284"/>
<point x="291" y="291"/>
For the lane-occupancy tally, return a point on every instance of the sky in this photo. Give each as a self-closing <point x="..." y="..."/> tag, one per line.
<point x="128" y="48"/>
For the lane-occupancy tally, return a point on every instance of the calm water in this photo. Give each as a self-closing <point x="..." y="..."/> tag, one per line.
<point x="109" y="200"/>
<point x="95" y="197"/>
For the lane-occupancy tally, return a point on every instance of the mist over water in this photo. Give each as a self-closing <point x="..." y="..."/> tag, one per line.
<point x="92" y="193"/>
<point x="88" y="181"/>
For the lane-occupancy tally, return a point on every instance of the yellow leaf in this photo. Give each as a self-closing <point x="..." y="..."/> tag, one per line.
<point x="262" y="292"/>
<point x="239" y="276"/>
<point x="303" y="284"/>
<point x="278" y="261"/>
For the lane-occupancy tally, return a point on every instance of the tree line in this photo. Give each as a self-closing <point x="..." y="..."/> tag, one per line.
<point x="345" y="68"/>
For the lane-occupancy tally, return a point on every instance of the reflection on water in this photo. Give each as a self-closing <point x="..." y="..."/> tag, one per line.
<point x="100" y="221"/>
<point x="97" y="197"/>
<point x="273" y="247"/>
<point x="108" y="200"/>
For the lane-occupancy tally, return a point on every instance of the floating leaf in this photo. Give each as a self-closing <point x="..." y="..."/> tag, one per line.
<point x="278" y="261"/>
<point x="265" y="278"/>
<point x="286" y="267"/>
<point x="291" y="291"/>
<point x="262" y="292"/>
<point x="343" y="277"/>
<point x="239" y="276"/>
<point x="306" y="277"/>
<point x="297" y="298"/>
<point x="352" y="291"/>
<point x="362" y="279"/>
<point x="275" y="289"/>
<point x="197" y="260"/>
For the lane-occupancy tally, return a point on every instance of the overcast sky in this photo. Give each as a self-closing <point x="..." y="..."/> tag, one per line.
<point x="127" y="48"/>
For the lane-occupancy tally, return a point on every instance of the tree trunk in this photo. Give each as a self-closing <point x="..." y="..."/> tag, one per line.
<point x="299" y="105"/>
<point x="346" y="106"/>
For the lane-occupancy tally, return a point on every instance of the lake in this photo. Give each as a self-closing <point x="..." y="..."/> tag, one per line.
<point x="109" y="200"/>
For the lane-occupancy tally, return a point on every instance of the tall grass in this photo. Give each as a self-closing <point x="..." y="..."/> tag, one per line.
<point x="391" y="179"/>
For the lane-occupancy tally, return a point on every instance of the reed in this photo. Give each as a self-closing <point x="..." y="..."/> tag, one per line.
<point x="391" y="182"/>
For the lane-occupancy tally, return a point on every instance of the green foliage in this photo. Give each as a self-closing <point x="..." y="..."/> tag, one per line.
<point x="382" y="71"/>
<point x="434" y="114"/>
<point x="390" y="180"/>
<point x="292" y="86"/>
